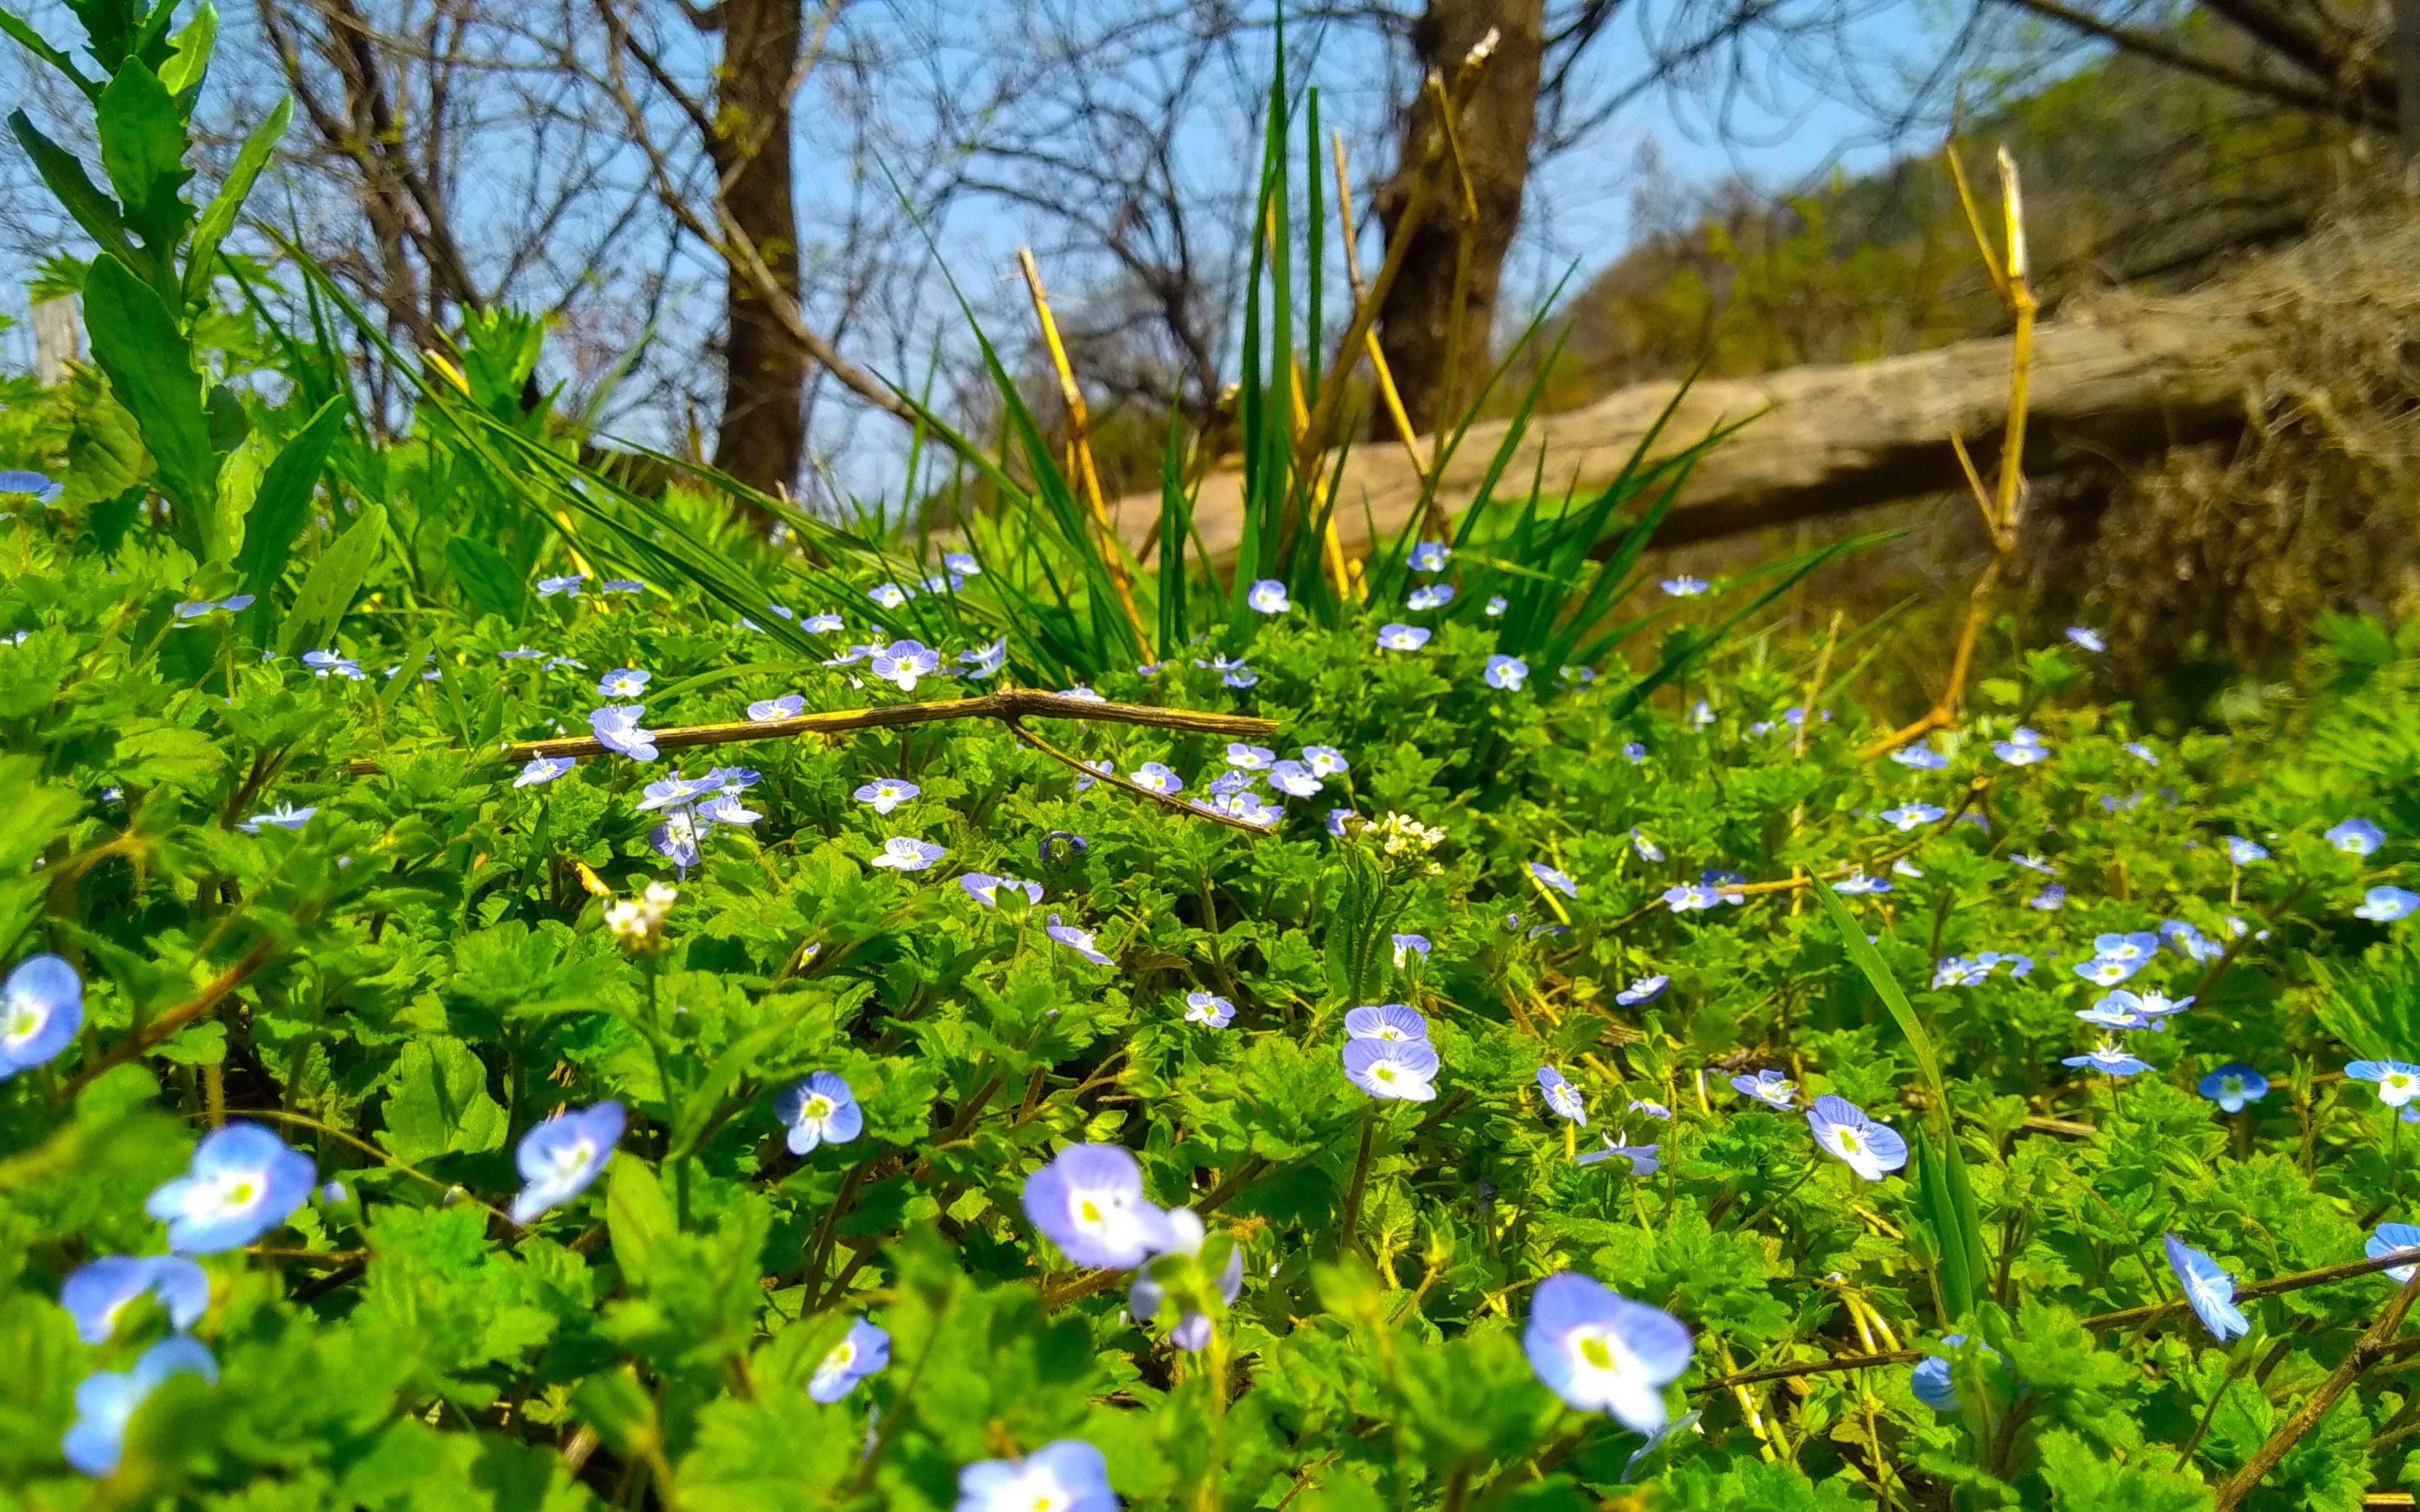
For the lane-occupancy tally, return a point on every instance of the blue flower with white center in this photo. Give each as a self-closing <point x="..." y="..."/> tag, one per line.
<point x="1267" y="596"/>
<point x="2399" y="1083"/>
<point x="1552" y="877"/>
<point x="1187" y="1236"/>
<point x="962" y="563"/>
<point x="903" y="853"/>
<point x="1089" y="1202"/>
<point x="1563" y="1098"/>
<point x="1508" y="673"/>
<point x="2087" y="637"/>
<point x="1601" y="1352"/>
<point x="2243" y="852"/>
<point x="1104" y="767"/>
<point x="674" y="791"/>
<point x="241" y="1182"/>
<point x="1841" y="1128"/>
<point x="1430" y="556"/>
<point x="2019" y="966"/>
<point x="2355" y="837"/>
<point x="2106" y="971"/>
<point x="1231" y="780"/>
<point x="1208" y="1009"/>
<point x="885" y="794"/>
<point x="2141" y="752"/>
<point x="2189" y="942"/>
<point x="544" y="769"/>
<point x="1392" y="1022"/>
<point x="985" y="889"/>
<point x="41" y="1008"/>
<point x="569" y="585"/>
<point x="2034" y="864"/>
<point x="1392" y="1069"/>
<point x="1394" y="636"/>
<point x="2136" y="945"/>
<point x="2022" y="748"/>
<point x="1158" y="778"/>
<point x="1063" y="1475"/>
<point x="1078" y="940"/>
<point x="825" y="623"/>
<point x="1496" y="606"/>
<point x="788" y="706"/>
<point x="2234" y="1084"/>
<point x="1410" y="945"/>
<point x="2384" y="905"/>
<point x="2393" y="1238"/>
<point x="1336" y="818"/>
<point x="625" y="683"/>
<point x="902" y="663"/>
<point x="1684" y="586"/>
<point x="1906" y="868"/>
<point x="890" y="596"/>
<point x="1246" y="758"/>
<point x="1642" y="990"/>
<point x="982" y="661"/>
<point x="1857" y="882"/>
<point x="517" y="654"/>
<point x="1922" y="758"/>
<point x="1687" y="896"/>
<point x="1768" y="1087"/>
<point x="1294" y="779"/>
<point x="820" y="1110"/>
<point x="722" y="809"/>
<point x="1909" y="816"/>
<point x="26" y="481"/>
<point x="1654" y="1110"/>
<point x="734" y="779"/>
<point x="1931" y="1381"/>
<point x="1645" y="1160"/>
<point x="96" y="1293"/>
<point x="2154" y="1007"/>
<point x="106" y="1401"/>
<point x="2115" y="1011"/>
<point x="284" y="816"/>
<point x="862" y="1351"/>
<point x="2109" y="1060"/>
<point x="1324" y="761"/>
<point x="2050" y="900"/>
<point x="2209" y="1290"/>
<point x="617" y="729"/>
<point x="561" y="1155"/>
<point x="1429" y="596"/>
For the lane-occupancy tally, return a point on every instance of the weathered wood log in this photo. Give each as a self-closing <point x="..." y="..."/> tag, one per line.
<point x="2125" y="378"/>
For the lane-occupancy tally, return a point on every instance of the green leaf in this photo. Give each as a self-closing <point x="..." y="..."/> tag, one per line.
<point x="486" y="578"/>
<point x="218" y="219"/>
<point x="188" y="53"/>
<point x="440" y="1105"/>
<point x="638" y="1216"/>
<point x="329" y="591"/>
<point x="32" y="41"/>
<point x="150" y="367"/>
<point x="95" y="212"/>
<point x="142" y="151"/>
<point x="283" y="505"/>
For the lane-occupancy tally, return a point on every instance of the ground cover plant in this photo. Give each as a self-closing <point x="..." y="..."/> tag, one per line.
<point x="518" y="996"/>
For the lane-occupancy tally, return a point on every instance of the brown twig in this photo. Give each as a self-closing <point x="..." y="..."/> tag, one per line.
<point x="1166" y="800"/>
<point x="176" y="1018"/>
<point x="2364" y="1354"/>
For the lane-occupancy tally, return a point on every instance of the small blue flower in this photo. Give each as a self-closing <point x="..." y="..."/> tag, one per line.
<point x="2022" y="748"/>
<point x="2397" y="1083"/>
<point x="1682" y="897"/>
<point x="622" y="585"/>
<point x="1552" y="877"/>
<point x="825" y="622"/>
<point x="984" y="660"/>
<point x="1061" y="847"/>
<point x="2392" y="1239"/>
<point x="1392" y="1069"/>
<point x="544" y="769"/>
<point x="1857" y="882"/>
<point x="1496" y="606"/>
<point x="1768" y="1087"/>
<point x="1429" y="596"/>
<point x="1294" y="780"/>
<point x="2107" y="971"/>
<point x="1089" y="1202"/>
<point x="2050" y="900"/>
<point x="1601" y="1352"/>
<point x="1507" y="672"/>
<point x="2209" y="1290"/>
<point x="2234" y="1084"/>
<point x="1909" y="816"/>
<point x="885" y="793"/>
<point x="1410" y="945"/>
<point x="1430" y="556"/>
<point x="723" y="809"/>
<point x="241" y="1182"/>
<point x="625" y="683"/>
<point x="1647" y="850"/>
<point x="2110" y="1059"/>
<point x="106" y="1401"/>
<point x="985" y="889"/>
<point x="2189" y="942"/>
<point x="1145" y="1299"/>
<point x="517" y="654"/>
<point x="902" y="853"/>
<point x="861" y="1352"/>
<point x="1841" y="1128"/>
<point x="1633" y="753"/>
<point x="1684" y="586"/>
<point x="1336" y="818"/>
<point x="1922" y="758"/>
<point x="2356" y="837"/>
<point x="1394" y="636"/>
<point x="284" y="816"/>
<point x="788" y="706"/>
<point x="1645" y="1160"/>
<point x="1267" y="596"/>
<point x="2141" y="752"/>
<point x="1208" y="1009"/>
<point x="674" y="791"/>
<point x="336" y="664"/>
<point x="96" y="1293"/>
<point x="902" y="663"/>
<point x="2138" y="945"/>
<point x="1063" y="1475"/>
<point x="1931" y="1381"/>
<point x="617" y="729"/>
<point x="41" y="1008"/>
<point x="2243" y="852"/>
<point x="820" y="1110"/>
<point x="1249" y="758"/>
<point x="1078" y="940"/>
<point x="561" y="1155"/>
<point x="1391" y="1021"/>
<point x="890" y="596"/>
<point x="2087" y="637"/>
<point x="1562" y="1096"/>
<point x="1324" y="761"/>
<point x="568" y="584"/>
<point x="2384" y="905"/>
<point x="1642" y="990"/>
<point x="26" y="481"/>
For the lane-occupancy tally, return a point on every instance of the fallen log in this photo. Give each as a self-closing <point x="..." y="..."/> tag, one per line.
<point x="2121" y="380"/>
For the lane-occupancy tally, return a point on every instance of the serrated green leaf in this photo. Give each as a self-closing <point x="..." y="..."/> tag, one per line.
<point x="150" y="367"/>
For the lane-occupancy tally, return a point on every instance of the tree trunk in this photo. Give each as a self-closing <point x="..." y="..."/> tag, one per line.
<point x="1436" y="344"/>
<point x="761" y="439"/>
